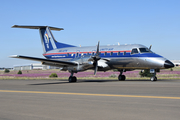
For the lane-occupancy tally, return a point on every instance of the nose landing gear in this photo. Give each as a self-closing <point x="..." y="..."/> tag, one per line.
<point x="153" y="78"/>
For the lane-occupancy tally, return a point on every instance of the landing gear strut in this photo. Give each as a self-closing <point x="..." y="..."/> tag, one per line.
<point x="121" y="77"/>
<point x="72" y="78"/>
<point x="154" y="78"/>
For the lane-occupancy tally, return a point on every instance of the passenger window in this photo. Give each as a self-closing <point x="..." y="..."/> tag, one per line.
<point x="105" y="53"/>
<point x="67" y="54"/>
<point x="99" y="53"/>
<point x="118" y="53"/>
<point x="124" y="53"/>
<point x="111" y="53"/>
<point x="134" y="51"/>
<point x="87" y="53"/>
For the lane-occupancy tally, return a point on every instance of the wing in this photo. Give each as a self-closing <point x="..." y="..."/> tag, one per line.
<point x="46" y="61"/>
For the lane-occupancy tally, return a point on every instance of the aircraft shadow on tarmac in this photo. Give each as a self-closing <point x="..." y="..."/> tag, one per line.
<point x="50" y="83"/>
<point x="86" y="81"/>
<point x="67" y="82"/>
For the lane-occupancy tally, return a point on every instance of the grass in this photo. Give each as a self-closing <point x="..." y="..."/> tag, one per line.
<point x="87" y="75"/>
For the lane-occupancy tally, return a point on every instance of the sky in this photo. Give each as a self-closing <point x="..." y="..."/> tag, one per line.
<point x="85" y="22"/>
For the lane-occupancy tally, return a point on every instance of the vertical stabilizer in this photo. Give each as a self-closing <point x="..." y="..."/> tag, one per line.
<point x="47" y="38"/>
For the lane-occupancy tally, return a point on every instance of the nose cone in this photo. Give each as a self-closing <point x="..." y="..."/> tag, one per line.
<point x="168" y="64"/>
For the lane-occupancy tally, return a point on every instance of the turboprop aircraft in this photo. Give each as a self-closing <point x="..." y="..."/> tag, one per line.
<point x="98" y="58"/>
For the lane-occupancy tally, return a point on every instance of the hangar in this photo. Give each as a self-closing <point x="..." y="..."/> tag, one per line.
<point x="33" y="66"/>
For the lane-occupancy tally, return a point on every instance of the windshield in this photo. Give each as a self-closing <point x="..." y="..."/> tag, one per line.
<point x="144" y="50"/>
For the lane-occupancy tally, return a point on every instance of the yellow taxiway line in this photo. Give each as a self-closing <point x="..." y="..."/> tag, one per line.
<point x="89" y="94"/>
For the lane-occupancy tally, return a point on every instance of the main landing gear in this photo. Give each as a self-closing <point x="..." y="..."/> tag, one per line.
<point x="72" y="78"/>
<point x="121" y="77"/>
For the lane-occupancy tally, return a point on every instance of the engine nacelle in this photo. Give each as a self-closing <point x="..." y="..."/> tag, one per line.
<point x="83" y="62"/>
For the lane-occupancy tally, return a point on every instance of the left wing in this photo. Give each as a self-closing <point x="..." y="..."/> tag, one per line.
<point x="46" y="61"/>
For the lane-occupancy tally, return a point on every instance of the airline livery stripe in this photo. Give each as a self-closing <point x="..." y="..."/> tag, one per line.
<point x="85" y="52"/>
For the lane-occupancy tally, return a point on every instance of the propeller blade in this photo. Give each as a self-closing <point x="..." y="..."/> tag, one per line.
<point x="96" y="58"/>
<point x="97" y="52"/>
<point x="95" y="67"/>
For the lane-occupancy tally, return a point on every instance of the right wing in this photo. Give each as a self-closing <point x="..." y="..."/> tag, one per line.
<point x="47" y="61"/>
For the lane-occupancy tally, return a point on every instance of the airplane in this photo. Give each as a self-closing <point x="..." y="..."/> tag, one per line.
<point x="98" y="58"/>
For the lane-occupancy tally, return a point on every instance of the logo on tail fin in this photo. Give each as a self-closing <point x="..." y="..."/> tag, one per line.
<point x="46" y="40"/>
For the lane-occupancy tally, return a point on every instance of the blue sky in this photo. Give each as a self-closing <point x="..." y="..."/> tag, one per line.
<point x="85" y="22"/>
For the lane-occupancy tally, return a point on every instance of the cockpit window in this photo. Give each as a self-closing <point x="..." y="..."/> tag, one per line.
<point x="144" y="50"/>
<point x="134" y="51"/>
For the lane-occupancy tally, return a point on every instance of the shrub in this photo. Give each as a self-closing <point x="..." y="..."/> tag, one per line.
<point x="145" y="73"/>
<point x="115" y="70"/>
<point x="53" y="75"/>
<point x="6" y="71"/>
<point x="113" y="76"/>
<point x="19" y="72"/>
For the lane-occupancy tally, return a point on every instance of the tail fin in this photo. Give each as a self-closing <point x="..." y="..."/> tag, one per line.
<point x="47" y="38"/>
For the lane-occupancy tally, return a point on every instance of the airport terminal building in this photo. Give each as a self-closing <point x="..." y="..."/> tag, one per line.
<point x="33" y="66"/>
<point x="176" y="62"/>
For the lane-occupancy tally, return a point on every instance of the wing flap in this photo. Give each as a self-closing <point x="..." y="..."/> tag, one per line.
<point x="46" y="61"/>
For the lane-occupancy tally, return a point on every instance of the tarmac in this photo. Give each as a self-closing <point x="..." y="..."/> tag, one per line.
<point x="89" y="99"/>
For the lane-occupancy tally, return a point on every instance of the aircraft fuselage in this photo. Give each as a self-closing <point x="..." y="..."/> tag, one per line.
<point x="115" y="56"/>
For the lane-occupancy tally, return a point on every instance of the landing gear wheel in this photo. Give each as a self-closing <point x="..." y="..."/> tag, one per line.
<point x="121" y="77"/>
<point x="72" y="79"/>
<point x="153" y="79"/>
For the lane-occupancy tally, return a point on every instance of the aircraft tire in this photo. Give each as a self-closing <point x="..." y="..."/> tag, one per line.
<point x="72" y="79"/>
<point x="153" y="79"/>
<point x="121" y="77"/>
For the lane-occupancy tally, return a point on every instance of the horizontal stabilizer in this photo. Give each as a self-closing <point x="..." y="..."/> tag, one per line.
<point x="36" y="27"/>
<point x="43" y="60"/>
<point x="47" y="39"/>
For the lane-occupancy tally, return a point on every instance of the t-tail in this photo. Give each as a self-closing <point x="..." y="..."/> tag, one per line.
<point x="47" y="39"/>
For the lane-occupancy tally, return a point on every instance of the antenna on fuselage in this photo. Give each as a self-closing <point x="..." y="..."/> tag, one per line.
<point x="150" y="47"/>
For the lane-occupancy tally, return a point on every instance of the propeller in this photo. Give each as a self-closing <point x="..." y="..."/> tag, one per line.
<point x="95" y="59"/>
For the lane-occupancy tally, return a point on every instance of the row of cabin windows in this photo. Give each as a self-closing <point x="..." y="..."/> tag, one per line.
<point x="134" y="51"/>
<point x="111" y="53"/>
